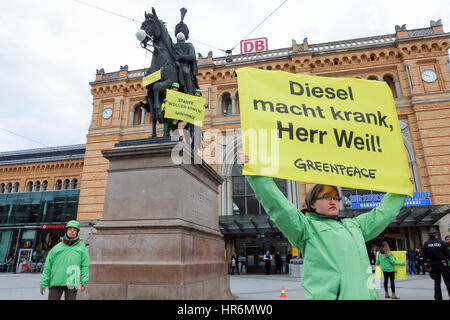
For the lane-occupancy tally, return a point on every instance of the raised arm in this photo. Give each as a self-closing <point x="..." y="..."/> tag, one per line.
<point x="291" y="222"/>
<point x="374" y="222"/>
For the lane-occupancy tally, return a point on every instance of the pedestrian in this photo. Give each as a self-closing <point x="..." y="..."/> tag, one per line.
<point x="267" y="261"/>
<point x="278" y="262"/>
<point x="8" y="264"/>
<point x="67" y="266"/>
<point x="436" y="253"/>
<point x="447" y="240"/>
<point x="234" y="263"/>
<point x="388" y="263"/>
<point x="288" y="261"/>
<point x="373" y="257"/>
<point x="169" y="124"/>
<point x="420" y="266"/>
<point x="329" y="271"/>
<point x="411" y="255"/>
<point x="237" y="261"/>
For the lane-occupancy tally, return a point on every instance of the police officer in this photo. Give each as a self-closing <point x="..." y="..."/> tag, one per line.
<point x="436" y="253"/>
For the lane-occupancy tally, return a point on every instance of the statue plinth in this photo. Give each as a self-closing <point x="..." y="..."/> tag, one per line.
<point x="159" y="237"/>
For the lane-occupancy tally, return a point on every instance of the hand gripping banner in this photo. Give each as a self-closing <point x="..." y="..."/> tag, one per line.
<point x="336" y="131"/>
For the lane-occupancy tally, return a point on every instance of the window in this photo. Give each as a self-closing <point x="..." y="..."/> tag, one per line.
<point x="244" y="200"/>
<point x="58" y="185"/>
<point x="390" y="81"/>
<point x="16" y="187"/>
<point x="66" y="185"/>
<point x="226" y="104"/>
<point x="44" y="185"/>
<point x="37" y="186"/>
<point x="29" y="186"/>
<point x="74" y="184"/>
<point x="2" y="188"/>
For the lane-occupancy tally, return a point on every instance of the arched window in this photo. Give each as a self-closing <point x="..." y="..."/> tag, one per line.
<point x="390" y="81"/>
<point x="9" y="188"/>
<point x="58" y="184"/>
<point x="226" y="104"/>
<point x="2" y="188"/>
<point x="244" y="200"/>
<point x="44" y="185"/>
<point x="66" y="185"/>
<point x="30" y="186"/>
<point x="372" y="78"/>
<point x="16" y="187"/>
<point x="37" y="186"/>
<point x="74" y="184"/>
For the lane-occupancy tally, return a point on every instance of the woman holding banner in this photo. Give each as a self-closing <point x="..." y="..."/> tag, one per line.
<point x="388" y="263"/>
<point x="336" y="264"/>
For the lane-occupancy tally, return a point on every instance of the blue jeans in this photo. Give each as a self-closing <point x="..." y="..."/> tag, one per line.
<point x="412" y="266"/>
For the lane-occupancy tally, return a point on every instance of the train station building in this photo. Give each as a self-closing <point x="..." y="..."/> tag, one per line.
<point x="41" y="189"/>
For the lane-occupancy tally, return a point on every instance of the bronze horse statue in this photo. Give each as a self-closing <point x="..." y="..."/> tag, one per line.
<point x="163" y="58"/>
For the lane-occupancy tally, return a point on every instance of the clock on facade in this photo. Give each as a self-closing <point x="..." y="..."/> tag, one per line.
<point x="107" y="113"/>
<point x="429" y="76"/>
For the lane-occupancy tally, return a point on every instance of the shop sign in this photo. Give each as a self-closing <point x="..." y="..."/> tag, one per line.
<point x="373" y="200"/>
<point x="52" y="226"/>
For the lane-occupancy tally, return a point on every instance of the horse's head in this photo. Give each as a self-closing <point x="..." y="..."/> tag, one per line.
<point x="151" y="26"/>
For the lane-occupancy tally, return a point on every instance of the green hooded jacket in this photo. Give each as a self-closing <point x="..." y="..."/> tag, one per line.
<point x="387" y="264"/>
<point x="335" y="260"/>
<point x="66" y="266"/>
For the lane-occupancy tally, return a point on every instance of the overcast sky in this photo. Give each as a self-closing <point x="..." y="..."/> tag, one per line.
<point x="50" y="49"/>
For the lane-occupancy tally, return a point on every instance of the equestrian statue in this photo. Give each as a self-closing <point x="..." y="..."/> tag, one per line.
<point x="177" y="62"/>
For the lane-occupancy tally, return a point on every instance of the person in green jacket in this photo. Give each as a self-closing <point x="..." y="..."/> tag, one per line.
<point x="67" y="266"/>
<point x="388" y="263"/>
<point x="169" y="124"/>
<point x="336" y="264"/>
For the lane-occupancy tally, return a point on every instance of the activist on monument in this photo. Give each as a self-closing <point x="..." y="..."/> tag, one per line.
<point x="335" y="262"/>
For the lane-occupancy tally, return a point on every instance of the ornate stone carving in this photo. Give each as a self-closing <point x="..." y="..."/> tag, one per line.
<point x="436" y="23"/>
<point x="402" y="28"/>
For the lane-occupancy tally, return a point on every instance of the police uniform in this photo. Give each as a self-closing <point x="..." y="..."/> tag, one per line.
<point x="434" y="252"/>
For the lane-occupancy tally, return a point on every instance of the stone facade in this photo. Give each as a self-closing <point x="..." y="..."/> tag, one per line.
<point x="398" y="58"/>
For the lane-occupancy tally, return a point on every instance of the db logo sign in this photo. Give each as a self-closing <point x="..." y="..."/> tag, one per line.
<point x="254" y="45"/>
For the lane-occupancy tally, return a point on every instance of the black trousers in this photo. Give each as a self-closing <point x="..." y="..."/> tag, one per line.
<point x="55" y="293"/>
<point x="387" y="276"/>
<point x="278" y="268"/>
<point x="438" y="270"/>
<point x="420" y="266"/>
<point x="267" y="266"/>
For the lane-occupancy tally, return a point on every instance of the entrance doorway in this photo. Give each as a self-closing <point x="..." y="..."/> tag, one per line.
<point x="253" y="247"/>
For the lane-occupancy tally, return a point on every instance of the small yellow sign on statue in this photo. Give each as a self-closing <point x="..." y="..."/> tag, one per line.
<point x="152" y="77"/>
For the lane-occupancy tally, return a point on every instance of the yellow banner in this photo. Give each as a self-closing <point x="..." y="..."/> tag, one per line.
<point x="400" y="271"/>
<point x="152" y="77"/>
<point x="185" y="107"/>
<point x="337" y="131"/>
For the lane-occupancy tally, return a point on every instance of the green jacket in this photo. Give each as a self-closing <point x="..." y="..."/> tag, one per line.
<point x="387" y="264"/>
<point x="335" y="260"/>
<point x="66" y="266"/>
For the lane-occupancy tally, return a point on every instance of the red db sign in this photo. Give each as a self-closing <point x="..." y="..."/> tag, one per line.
<point x="254" y="45"/>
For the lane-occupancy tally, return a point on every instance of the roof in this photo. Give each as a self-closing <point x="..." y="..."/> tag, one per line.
<point x="69" y="152"/>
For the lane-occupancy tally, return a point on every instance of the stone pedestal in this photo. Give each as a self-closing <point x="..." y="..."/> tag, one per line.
<point x="159" y="236"/>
